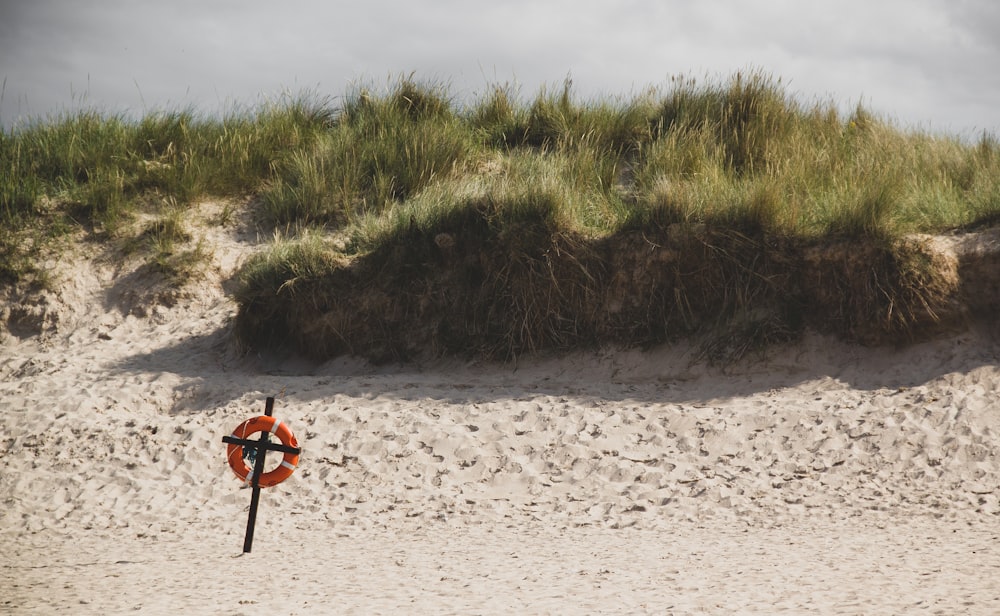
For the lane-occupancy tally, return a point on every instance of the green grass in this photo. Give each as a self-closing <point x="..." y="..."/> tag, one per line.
<point x="377" y="152"/>
<point x="98" y="171"/>
<point x="415" y="181"/>
<point x="699" y="150"/>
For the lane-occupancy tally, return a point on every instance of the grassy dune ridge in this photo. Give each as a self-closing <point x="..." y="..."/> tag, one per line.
<point x="502" y="226"/>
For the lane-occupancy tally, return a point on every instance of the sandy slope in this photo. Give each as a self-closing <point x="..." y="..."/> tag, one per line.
<point x="828" y="478"/>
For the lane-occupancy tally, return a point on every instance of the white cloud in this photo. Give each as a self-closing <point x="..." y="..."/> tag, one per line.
<point x="921" y="61"/>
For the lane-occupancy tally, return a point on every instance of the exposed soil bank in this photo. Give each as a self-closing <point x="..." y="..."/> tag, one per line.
<point x="534" y="287"/>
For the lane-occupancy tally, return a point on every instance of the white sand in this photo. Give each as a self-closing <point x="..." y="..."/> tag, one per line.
<point x="826" y="479"/>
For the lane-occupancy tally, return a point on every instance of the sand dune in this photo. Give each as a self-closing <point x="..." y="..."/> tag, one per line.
<point x="825" y="478"/>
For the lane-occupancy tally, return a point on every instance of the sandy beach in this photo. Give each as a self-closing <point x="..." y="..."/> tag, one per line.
<point x="823" y="478"/>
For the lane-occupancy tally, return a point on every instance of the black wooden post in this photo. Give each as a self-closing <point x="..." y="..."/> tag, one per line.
<point x="258" y="470"/>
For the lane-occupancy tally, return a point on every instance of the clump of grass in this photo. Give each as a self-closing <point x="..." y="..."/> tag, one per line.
<point x="876" y="291"/>
<point x="275" y="286"/>
<point x="239" y="154"/>
<point x="381" y="150"/>
<point x="440" y="280"/>
<point x="499" y="119"/>
<point x="746" y="118"/>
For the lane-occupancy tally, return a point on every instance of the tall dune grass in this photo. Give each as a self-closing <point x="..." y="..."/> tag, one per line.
<point x="699" y="149"/>
<point x="394" y="169"/>
<point x="379" y="151"/>
<point x="96" y="171"/>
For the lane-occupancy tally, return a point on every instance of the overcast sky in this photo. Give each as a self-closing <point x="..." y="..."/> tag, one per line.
<point x="927" y="64"/>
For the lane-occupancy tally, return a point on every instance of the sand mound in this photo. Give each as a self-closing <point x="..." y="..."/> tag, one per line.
<point x="827" y="477"/>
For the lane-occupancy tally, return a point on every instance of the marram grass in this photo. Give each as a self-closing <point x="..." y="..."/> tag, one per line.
<point x="505" y="225"/>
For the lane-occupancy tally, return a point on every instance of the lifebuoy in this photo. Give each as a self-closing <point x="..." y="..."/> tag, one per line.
<point x="263" y="423"/>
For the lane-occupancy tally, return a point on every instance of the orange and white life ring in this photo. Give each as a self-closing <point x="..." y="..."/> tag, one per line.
<point x="263" y="423"/>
